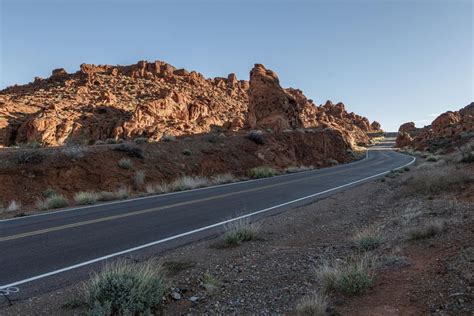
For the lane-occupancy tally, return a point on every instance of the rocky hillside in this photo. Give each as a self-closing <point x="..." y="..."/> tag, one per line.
<point x="152" y="99"/>
<point x="447" y="130"/>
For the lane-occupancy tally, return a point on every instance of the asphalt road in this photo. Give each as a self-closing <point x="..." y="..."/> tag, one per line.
<point x="51" y="250"/>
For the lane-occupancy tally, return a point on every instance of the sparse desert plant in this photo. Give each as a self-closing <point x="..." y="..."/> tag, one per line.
<point x="187" y="152"/>
<point x="122" y="193"/>
<point x="210" y="283"/>
<point x="257" y="137"/>
<point x="13" y="206"/>
<point x="434" y="181"/>
<point x="368" y="238"/>
<point x="223" y="178"/>
<point x="131" y="151"/>
<point x="315" y="304"/>
<point x="240" y="231"/>
<point x="427" y="230"/>
<point x="110" y="141"/>
<point x="352" y="277"/>
<point x="140" y="140"/>
<point x="188" y="183"/>
<point x="48" y="193"/>
<point x="139" y="178"/>
<point x="52" y="202"/>
<point x="262" y="172"/>
<point x="294" y="169"/>
<point x="74" y="151"/>
<point x="106" y="196"/>
<point x="86" y="198"/>
<point x="332" y="162"/>
<point x="123" y="288"/>
<point x="168" y="138"/>
<point x="125" y="163"/>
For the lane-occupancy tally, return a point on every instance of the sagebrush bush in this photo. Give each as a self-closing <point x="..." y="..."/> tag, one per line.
<point x="106" y="196"/>
<point x="111" y="141"/>
<point x="223" y="178"/>
<point x="262" y="172"/>
<point x="122" y="193"/>
<point x="140" y="140"/>
<point x="86" y="198"/>
<point x="240" y="231"/>
<point x="315" y="304"/>
<point x="48" y="193"/>
<point x="125" y="163"/>
<point x="294" y="169"/>
<point x="52" y="202"/>
<point x="123" y="288"/>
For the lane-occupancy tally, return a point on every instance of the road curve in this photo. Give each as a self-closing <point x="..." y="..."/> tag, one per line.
<point x="44" y="252"/>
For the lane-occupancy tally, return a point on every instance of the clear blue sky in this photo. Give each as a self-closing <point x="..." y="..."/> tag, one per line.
<point x="393" y="61"/>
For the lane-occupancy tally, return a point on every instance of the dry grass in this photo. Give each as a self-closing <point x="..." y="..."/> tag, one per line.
<point x="315" y="304"/>
<point x="427" y="230"/>
<point x="240" y="231"/>
<point x="368" y="238"/>
<point x="294" y="169"/>
<point x="223" y="178"/>
<point x="52" y="202"/>
<point x="434" y="181"/>
<point x="13" y="206"/>
<point x="86" y="198"/>
<point x="189" y="183"/>
<point x="139" y="179"/>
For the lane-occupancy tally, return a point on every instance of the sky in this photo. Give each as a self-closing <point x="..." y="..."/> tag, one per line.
<point x="391" y="61"/>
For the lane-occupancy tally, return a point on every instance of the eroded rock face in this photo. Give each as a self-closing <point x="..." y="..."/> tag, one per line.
<point x="154" y="98"/>
<point x="446" y="130"/>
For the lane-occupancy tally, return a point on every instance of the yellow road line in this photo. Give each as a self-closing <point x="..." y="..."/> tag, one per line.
<point x="113" y="217"/>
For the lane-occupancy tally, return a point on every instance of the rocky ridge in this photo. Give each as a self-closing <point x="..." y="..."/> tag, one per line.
<point x="152" y="99"/>
<point x="447" y="129"/>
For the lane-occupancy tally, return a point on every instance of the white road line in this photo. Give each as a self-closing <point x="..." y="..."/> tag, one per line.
<point x="192" y="231"/>
<point x="174" y="193"/>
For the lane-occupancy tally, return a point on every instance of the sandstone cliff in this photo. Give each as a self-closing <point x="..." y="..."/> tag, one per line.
<point x="152" y="99"/>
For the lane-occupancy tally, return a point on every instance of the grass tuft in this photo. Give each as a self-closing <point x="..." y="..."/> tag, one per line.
<point x="188" y="183"/>
<point x="86" y="198"/>
<point x="368" y="239"/>
<point x="52" y="202"/>
<point x="239" y="232"/>
<point x="315" y="304"/>
<point x="428" y="230"/>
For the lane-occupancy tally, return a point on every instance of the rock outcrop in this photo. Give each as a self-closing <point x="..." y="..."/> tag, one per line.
<point x="447" y="130"/>
<point x="151" y="99"/>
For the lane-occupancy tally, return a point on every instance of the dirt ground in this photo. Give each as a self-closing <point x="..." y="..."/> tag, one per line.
<point x="272" y="274"/>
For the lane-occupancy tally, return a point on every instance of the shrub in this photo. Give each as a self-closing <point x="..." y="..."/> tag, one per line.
<point x="110" y="141"/>
<point x="48" y="193"/>
<point x="140" y="140"/>
<point x="188" y="183"/>
<point x="368" y="239"/>
<point x="352" y="277"/>
<point x="106" y="196"/>
<point x="126" y="289"/>
<point x="99" y="142"/>
<point x="294" y="169"/>
<point x="13" y="206"/>
<point x="168" y="138"/>
<point x="315" y="304"/>
<point x="31" y="145"/>
<point x="131" y="151"/>
<point x="432" y="158"/>
<point x="239" y="232"/>
<point x="86" y="198"/>
<point x="187" y="152"/>
<point x="74" y="152"/>
<point x="139" y="178"/>
<point x="125" y="163"/>
<point x="257" y="137"/>
<point x="122" y="193"/>
<point x="210" y="283"/>
<point x="433" y="181"/>
<point x="332" y="162"/>
<point x="157" y="188"/>
<point x="28" y="156"/>
<point x="428" y="230"/>
<point x="52" y="202"/>
<point x="262" y="172"/>
<point x="223" y="178"/>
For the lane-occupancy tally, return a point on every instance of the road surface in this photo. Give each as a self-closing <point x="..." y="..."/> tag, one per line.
<point x="48" y="251"/>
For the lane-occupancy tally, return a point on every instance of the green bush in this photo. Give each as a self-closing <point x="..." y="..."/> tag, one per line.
<point x="52" y="202"/>
<point x="262" y="172"/>
<point x="126" y="289"/>
<point x="125" y="163"/>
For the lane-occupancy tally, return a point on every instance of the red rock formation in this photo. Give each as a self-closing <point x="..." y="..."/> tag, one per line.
<point x="447" y="129"/>
<point x="154" y="98"/>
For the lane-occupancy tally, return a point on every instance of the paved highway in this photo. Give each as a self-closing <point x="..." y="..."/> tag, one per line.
<point x="43" y="252"/>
